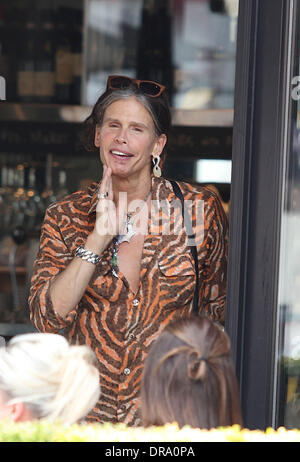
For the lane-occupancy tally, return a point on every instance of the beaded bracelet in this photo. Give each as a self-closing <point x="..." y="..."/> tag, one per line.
<point x="87" y="255"/>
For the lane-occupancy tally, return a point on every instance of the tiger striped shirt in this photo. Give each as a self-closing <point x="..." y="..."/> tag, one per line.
<point x="116" y="323"/>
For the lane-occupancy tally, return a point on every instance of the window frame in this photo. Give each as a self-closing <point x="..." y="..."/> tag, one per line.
<point x="260" y="147"/>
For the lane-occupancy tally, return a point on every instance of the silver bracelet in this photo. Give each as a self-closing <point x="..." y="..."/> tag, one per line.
<point x="87" y="255"/>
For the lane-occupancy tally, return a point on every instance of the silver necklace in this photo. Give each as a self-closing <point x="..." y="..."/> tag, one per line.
<point x="129" y="232"/>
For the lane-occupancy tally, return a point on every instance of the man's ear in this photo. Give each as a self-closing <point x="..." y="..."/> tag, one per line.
<point x="97" y="137"/>
<point x="159" y="145"/>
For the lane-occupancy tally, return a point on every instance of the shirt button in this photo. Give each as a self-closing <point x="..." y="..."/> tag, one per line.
<point x="135" y="302"/>
<point x="131" y="336"/>
<point x="126" y="371"/>
<point x="123" y="407"/>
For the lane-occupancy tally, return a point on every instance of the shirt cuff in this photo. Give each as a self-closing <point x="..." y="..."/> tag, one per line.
<point x="45" y="317"/>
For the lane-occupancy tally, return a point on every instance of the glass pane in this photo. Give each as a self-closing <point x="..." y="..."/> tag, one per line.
<point x="28" y="184"/>
<point x="41" y="50"/>
<point x="187" y="45"/>
<point x="288" y="396"/>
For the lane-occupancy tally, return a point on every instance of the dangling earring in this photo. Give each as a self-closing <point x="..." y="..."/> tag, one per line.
<point x="156" y="167"/>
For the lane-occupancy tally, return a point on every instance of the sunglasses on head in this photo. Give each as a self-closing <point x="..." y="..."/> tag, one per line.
<point x="148" y="87"/>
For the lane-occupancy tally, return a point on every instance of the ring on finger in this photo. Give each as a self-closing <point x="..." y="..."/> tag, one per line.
<point x="103" y="195"/>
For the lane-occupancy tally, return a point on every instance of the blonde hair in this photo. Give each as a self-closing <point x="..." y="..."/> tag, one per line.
<point x="55" y="380"/>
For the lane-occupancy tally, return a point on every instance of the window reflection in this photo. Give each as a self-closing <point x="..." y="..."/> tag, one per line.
<point x="289" y="295"/>
<point x="213" y="171"/>
<point x="188" y="45"/>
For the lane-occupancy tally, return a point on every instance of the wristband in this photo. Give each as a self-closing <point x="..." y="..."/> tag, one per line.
<point x="87" y="255"/>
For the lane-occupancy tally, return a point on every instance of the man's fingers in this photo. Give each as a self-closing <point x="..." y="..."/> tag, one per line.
<point x="106" y="218"/>
<point x="105" y="190"/>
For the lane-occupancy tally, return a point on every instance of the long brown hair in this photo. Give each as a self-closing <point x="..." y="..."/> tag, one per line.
<point x="189" y="377"/>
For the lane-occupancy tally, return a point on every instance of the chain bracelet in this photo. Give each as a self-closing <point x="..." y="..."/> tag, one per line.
<point x="87" y="255"/>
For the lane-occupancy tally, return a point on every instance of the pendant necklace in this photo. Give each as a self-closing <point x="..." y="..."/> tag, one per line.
<point x="129" y="233"/>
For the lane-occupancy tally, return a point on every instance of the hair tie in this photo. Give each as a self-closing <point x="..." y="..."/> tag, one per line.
<point x="197" y="368"/>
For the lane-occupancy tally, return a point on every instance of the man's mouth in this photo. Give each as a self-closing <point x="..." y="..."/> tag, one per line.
<point x="120" y="153"/>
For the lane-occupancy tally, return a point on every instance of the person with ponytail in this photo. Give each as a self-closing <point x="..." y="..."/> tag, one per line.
<point x="43" y="377"/>
<point x="189" y="377"/>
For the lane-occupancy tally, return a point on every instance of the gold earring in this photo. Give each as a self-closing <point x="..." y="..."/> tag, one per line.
<point x="156" y="167"/>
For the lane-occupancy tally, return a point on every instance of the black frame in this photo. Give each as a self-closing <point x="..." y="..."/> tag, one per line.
<point x="259" y="147"/>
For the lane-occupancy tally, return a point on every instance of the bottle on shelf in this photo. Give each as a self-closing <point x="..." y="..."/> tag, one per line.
<point x="63" y="57"/>
<point x="77" y="34"/>
<point x="37" y="181"/>
<point x="154" y="51"/>
<point x="62" y="190"/>
<point x="26" y="63"/>
<point x="44" y="65"/>
<point x="48" y="193"/>
<point x="4" y="217"/>
<point x="3" y="47"/>
<point x="33" y="199"/>
<point x="11" y="49"/>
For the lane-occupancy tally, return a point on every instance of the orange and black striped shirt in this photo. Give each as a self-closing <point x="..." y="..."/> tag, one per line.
<point x="116" y="323"/>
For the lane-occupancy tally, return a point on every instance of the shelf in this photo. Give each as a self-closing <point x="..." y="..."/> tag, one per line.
<point x="18" y="270"/>
<point x="54" y="113"/>
<point x="203" y="117"/>
<point x="43" y="112"/>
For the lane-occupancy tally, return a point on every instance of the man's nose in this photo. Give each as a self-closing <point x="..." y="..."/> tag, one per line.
<point x="121" y="136"/>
